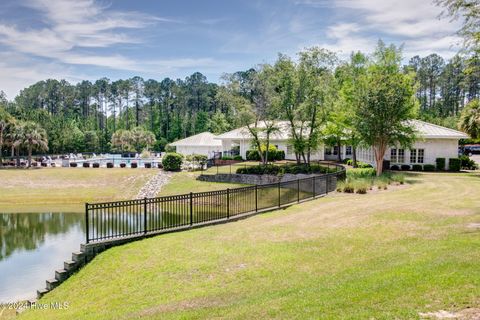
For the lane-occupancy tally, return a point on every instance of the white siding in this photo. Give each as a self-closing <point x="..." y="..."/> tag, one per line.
<point x="207" y="151"/>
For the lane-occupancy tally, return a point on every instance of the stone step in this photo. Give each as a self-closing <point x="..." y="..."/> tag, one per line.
<point x="70" y="266"/>
<point x="61" y="275"/>
<point x="52" y="283"/>
<point x="78" y="256"/>
<point x="41" y="292"/>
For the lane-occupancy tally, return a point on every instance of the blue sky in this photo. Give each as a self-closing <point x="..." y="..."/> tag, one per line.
<point x="89" y="39"/>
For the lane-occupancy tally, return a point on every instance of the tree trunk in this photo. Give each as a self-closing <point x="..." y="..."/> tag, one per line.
<point x="29" y="156"/>
<point x="339" y="146"/>
<point x="354" y="156"/>
<point x="379" y="154"/>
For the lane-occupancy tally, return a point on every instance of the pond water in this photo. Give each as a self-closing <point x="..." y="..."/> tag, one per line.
<point x="32" y="247"/>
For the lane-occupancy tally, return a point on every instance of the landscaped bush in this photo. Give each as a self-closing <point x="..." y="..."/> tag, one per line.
<point x="123" y="165"/>
<point x="226" y="158"/>
<point x="347" y="161"/>
<point x="73" y="164"/>
<point x="273" y="155"/>
<point x="429" y="167"/>
<point x="86" y="165"/>
<point x="417" y="167"/>
<point x="290" y="168"/>
<point x="160" y="165"/>
<point x="172" y="161"/>
<point x="238" y="158"/>
<point x="348" y="188"/>
<point x="53" y="165"/>
<point x="394" y="167"/>
<point x="44" y="164"/>
<point x="133" y="165"/>
<point x="467" y="163"/>
<point x="440" y="163"/>
<point x="109" y="164"/>
<point x="148" y="165"/>
<point x="454" y="164"/>
<point x="398" y="178"/>
<point x="405" y="167"/>
<point x="358" y="173"/>
<point x="361" y="164"/>
<point x="96" y="165"/>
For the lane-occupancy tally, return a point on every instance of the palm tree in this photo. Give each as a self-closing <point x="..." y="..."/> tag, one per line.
<point x="5" y="120"/>
<point x="470" y="119"/>
<point x="33" y="137"/>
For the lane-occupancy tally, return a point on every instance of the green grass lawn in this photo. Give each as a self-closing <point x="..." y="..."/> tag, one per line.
<point x="186" y="182"/>
<point x="67" y="189"/>
<point x="384" y="255"/>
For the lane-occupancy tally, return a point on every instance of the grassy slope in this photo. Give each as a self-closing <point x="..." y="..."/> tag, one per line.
<point x="185" y="182"/>
<point x="67" y="189"/>
<point x="384" y="255"/>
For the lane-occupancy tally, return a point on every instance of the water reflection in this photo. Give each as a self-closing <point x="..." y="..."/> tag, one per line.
<point x="32" y="247"/>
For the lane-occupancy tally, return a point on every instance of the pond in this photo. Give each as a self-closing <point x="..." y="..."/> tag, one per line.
<point x="32" y="247"/>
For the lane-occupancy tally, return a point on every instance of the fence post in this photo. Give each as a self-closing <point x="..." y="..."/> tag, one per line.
<point x="279" y="194"/>
<point x="314" y="183"/>
<point x="228" y="203"/>
<point x="298" y="190"/>
<point x="191" y="208"/>
<point x="145" y="215"/>
<point x="86" y="222"/>
<point x="256" y="198"/>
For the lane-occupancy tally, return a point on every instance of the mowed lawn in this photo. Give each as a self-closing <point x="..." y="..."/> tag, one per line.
<point x="67" y="189"/>
<point x="384" y="255"/>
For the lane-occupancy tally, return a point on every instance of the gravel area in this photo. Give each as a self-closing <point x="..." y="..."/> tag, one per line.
<point x="154" y="185"/>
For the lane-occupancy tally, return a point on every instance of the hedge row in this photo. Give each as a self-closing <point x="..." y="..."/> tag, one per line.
<point x="280" y="170"/>
<point x="273" y="155"/>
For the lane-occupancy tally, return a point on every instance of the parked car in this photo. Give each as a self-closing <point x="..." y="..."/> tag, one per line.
<point x="470" y="149"/>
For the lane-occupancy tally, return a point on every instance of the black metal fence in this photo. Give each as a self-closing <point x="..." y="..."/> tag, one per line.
<point x="113" y="220"/>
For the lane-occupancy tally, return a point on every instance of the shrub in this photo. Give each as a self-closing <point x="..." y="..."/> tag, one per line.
<point x="347" y="160"/>
<point x="109" y="164"/>
<point x="399" y="178"/>
<point x="260" y="169"/>
<point x="170" y="149"/>
<point x="467" y="163"/>
<point x="417" y="167"/>
<point x="348" y="188"/>
<point x="440" y="163"/>
<point x="360" y="173"/>
<point x="363" y="165"/>
<point x="86" y="165"/>
<point x="202" y="159"/>
<point x="172" y="161"/>
<point x="429" y="167"/>
<point x="53" y="165"/>
<point x="43" y="164"/>
<point x="394" y="167"/>
<point x="123" y="165"/>
<point x="362" y="190"/>
<point x="238" y="158"/>
<point x="148" y="165"/>
<point x="226" y="158"/>
<point x="405" y="167"/>
<point x="454" y="164"/>
<point x="133" y="165"/>
<point x="160" y="165"/>
<point x="95" y="165"/>
<point x="273" y="155"/>
<point x="73" y="164"/>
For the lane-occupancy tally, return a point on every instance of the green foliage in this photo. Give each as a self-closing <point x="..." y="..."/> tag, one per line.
<point x="172" y="161"/>
<point x="136" y="139"/>
<point x="226" y="158"/>
<point x="440" y="163"/>
<point x="199" y="158"/>
<point x="273" y="155"/>
<point x="169" y="148"/>
<point x="289" y="168"/>
<point x="417" y="167"/>
<point x="238" y="158"/>
<point x="454" y="164"/>
<point x="358" y="173"/>
<point x="428" y="167"/>
<point x="405" y="167"/>
<point x="470" y="119"/>
<point x="467" y="163"/>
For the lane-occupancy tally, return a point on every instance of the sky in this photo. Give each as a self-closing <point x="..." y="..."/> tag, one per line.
<point x="90" y="39"/>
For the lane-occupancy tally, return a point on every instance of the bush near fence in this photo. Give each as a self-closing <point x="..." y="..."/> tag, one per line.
<point x="289" y="168"/>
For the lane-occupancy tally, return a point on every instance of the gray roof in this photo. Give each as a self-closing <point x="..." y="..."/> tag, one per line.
<point x="204" y="139"/>
<point x="424" y="129"/>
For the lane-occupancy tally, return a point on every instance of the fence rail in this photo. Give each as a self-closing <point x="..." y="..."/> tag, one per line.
<point x="114" y="220"/>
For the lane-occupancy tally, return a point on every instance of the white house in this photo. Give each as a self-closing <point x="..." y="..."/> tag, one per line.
<point x="203" y="143"/>
<point x="433" y="142"/>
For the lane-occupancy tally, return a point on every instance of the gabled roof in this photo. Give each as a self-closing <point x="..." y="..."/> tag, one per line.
<point x="424" y="129"/>
<point x="433" y="131"/>
<point x="204" y="139"/>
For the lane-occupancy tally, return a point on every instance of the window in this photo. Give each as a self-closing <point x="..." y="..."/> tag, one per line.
<point x="289" y="149"/>
<point x="401" y="156"/>
<point x="348" y="150"/>
<point x="417" y="155"/>
<point x="421" y="155"/>
<point x="335" y="150"/>
<point x="328" y="151"/>
<point x="393" y="155"/>
<point x="413" y="156"/>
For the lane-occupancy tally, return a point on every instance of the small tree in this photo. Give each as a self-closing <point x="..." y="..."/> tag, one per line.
<point x="33" y="137"/>
<point x="5" y="121"/>
<point x="386" y="104"/>
<point x="470" y="119"/>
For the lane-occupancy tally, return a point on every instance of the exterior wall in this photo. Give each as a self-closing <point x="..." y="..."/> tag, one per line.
<point x="207" y="151"/>
<point x="334" y="157"/>
<point x="290" y="155"/>
<point x="434" y="148"/>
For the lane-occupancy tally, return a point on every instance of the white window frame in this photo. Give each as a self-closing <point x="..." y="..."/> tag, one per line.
<point x="400" y="155"/>
<point x="393" y="155"/>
